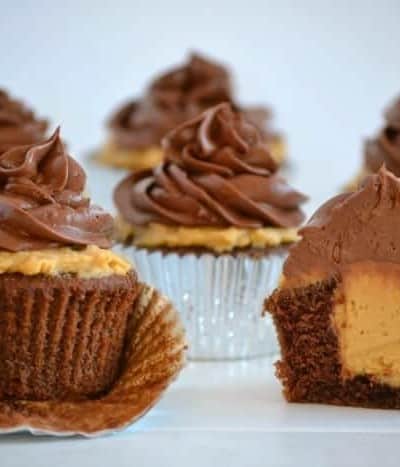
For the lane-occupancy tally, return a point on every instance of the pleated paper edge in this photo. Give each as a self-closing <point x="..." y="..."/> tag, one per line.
<point x="22" y="423"/>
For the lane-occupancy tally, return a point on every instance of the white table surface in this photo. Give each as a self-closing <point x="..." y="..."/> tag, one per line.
<point x="228" y="414"/>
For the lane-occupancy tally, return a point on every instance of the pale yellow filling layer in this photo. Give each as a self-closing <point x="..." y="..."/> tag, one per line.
<point x="278" y="150"/>
<point x="91" y="262"/>
<point x="138" y="159"/>
<point x="216" y="239"/>
<point x="133" y="159"/>
<point x="367" y="321"/>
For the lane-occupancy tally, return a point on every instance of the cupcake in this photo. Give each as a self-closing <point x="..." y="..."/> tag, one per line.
<point x="18" y="124"/>
<point x="336" y="310"/>
<point x="65" y="297"/>
<point x="137" y="128"/>
<point x="210" y="227"/>
<point x="384" y="148"/>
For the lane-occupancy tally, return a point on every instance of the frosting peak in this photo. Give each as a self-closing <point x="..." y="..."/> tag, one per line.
<point x="351" y="227"/>
<point x="18" y="124"/>
<point x="193" y="87"/>
<point x="42" y="203"/>
<point x="217" y="172"/>
<point x="221" y="141"/>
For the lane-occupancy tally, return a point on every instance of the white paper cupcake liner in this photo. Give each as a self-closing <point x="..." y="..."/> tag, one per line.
<point x="220" y="298"/>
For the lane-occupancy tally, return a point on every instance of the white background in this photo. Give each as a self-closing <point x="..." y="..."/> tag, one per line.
<point x="327" y="68"/>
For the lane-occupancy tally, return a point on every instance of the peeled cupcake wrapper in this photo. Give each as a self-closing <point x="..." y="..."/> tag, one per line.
<point x="154" y="356"/>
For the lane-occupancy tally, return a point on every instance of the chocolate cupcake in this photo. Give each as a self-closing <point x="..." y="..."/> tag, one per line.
<point x="383" y="149"/>
<point x="65" y="298"/>
<point x="137" y="128"/>
<point x="18" y="124"/>
<point x="337" y="307"/>
<point x="210" y="227"/>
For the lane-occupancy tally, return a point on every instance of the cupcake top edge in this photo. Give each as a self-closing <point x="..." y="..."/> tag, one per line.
<point x="350" y="228"/>
<point x="218" y="172"/>
<point x="42" y="200"/>
<point x="18" y="123"/>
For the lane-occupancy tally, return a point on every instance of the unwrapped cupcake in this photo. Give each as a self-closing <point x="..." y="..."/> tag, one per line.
<point x="18" y="124"/>
<point x="210" y="227"/>
<point x="137" y="128"/>
<point x="67" y="301"/>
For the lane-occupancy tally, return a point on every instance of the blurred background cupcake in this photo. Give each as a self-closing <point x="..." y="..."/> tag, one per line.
<point x="384" y="148"/>
<point x="136" y="128"/>
<point x="18" y="123"/>
<point x="210" y="227"/>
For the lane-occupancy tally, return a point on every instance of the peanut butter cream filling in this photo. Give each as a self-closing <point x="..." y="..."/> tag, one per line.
<point x="134" y="159"/>
<point x="90" y="262"/>
<point x="366" y="317"/>
<point x="216" y="239"/>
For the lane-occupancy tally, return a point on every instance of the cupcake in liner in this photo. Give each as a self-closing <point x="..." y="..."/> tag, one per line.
<point x="137" y="127"/>
<point x="210" y="227"/>
<point x="18" y="124"/>
<point x="70" y="308"/>
<point x="383" y="149"/>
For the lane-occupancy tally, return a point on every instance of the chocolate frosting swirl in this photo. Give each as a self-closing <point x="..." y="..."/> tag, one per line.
<point x="171" y="99"/>
<point x="42" y="203"/>
<point x="177" y="96"/>
<point x="217" y="172"/>
<point x="351" y="227"/>
<point x="18" y="124"/>
<point x="385" y="149"/>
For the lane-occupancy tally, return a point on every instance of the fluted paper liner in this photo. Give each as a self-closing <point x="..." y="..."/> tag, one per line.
<point x="220" y="298"/>
<point x="155" y="354"/>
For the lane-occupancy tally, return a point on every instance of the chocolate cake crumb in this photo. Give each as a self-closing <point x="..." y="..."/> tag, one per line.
<point x="310" y="368"/>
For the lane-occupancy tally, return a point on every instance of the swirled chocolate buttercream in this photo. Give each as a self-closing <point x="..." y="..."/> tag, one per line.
<point x="171" y="99"/>
<point x="42" y="200"/>
<point x="18" y="124"/>
<point x="217" y="172"/>
<point x="349" y="228"/>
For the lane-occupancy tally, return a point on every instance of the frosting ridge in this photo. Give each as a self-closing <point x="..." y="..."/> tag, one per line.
<point x="18" y="124"/>
<point x="217" y="172"/>
<point x="42" y="204"/>
<point x="174" y="97"/>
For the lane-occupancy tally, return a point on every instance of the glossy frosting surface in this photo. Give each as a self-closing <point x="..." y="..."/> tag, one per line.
<point x="42" y="201"/>
<point x="217" y="172"/>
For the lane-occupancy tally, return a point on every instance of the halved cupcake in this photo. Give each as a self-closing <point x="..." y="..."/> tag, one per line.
<point x="18" y="124"/>
<point x="137" y="128"/>
<point x="337" y="309"/>
<point x="210" y="227"/>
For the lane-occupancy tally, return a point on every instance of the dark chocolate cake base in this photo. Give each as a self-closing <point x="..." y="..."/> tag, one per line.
<point x="310" y="367"/>
<point x="62" y="337"/>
